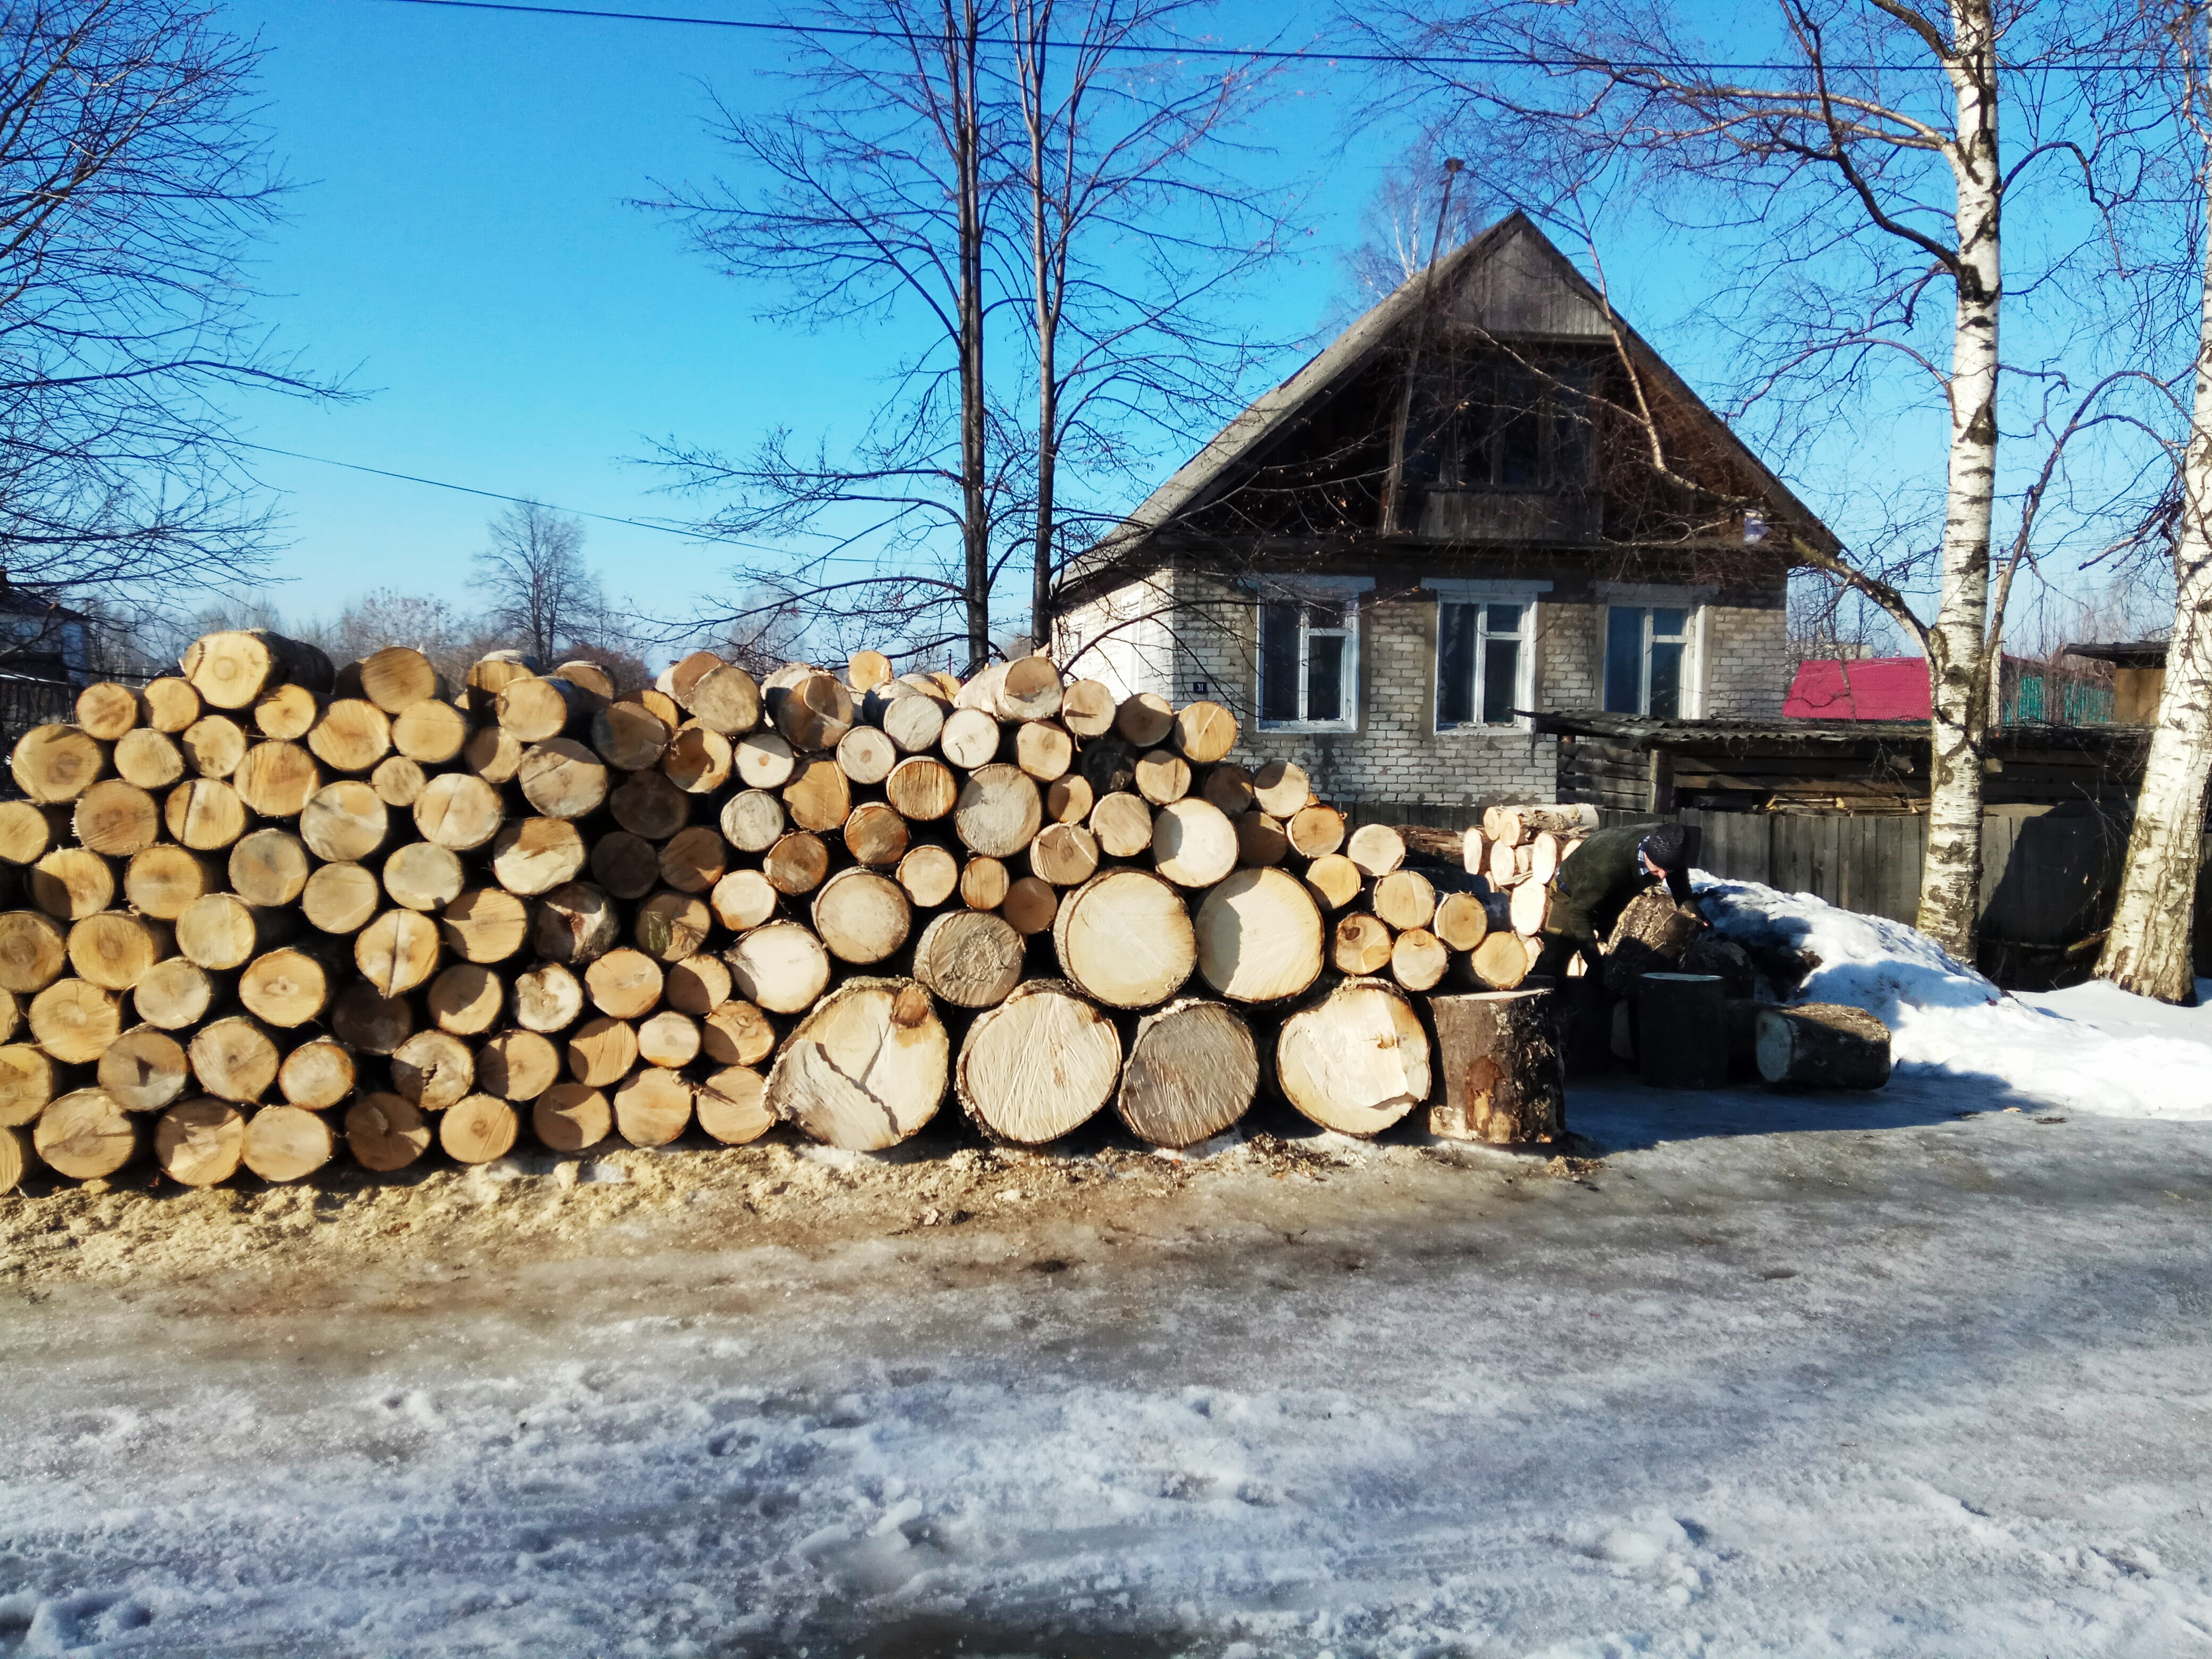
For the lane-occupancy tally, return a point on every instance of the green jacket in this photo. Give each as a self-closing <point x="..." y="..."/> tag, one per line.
<point x="1595" y="885"/>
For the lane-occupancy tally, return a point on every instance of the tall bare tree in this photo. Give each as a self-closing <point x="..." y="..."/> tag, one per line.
<point x="538" y="591"/>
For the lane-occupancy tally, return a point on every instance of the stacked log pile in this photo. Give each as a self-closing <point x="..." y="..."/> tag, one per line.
<point x="273" y="911"/>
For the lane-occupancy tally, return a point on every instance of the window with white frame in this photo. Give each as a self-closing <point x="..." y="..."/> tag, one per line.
<point x="1647" y="659"/>
<point x="1485" y="650"/>
<point x="1308" y="657"/>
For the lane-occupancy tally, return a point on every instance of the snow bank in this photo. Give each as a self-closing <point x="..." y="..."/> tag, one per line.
<point x="2093" y="1048"/>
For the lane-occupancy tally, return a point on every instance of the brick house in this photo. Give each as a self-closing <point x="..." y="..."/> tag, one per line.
<point x="1447" y="519"/>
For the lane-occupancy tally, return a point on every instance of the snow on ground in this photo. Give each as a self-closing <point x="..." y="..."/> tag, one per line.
<point x="1915" y="1373"/>
<point x="2092" y="1047"/>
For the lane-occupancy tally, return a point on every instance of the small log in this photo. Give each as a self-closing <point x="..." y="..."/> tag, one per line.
<point x="601" y="1051"/>
<point x="1030" y="906"/>
<point x="1357" y="1061"/>
<point x="680" y="678"/>
<point x="569" y="1117"/>
<point x="33" y="951"/>
<point x="649" y="807"/>
<point x="1068" y="799"/>
<point x="783" y="967"/>
<point x="465" y="999"/>
<point x="276" y="781"/>
<point x="233" y="1059"/>
<point x="969" y="958"/>
<point x="1377" y="848"/>
<point x="627" y="866"/>
<point x="624" y="983"/>
<point x="814" y="713"/>
<point x="494" y="753"/>
<point x="1162" y="777"/>
<point x="672" y="925"/>
<point x="575" y="923"/>
<point x="1205" y="732"/>
<point x="1505" y="1080"/>
<point x="1405" y="898"/>
<point x="930" y="875"/>
<point x="763" y="761"/>
<point x="270" y="867"/>
<point x="1192" y="1073"/>
<point x="875" y="834"/>
<point x="922" y="789"/>
<point x="562" y="779"/>
<point x="214" y="745"/>
<point x="1043" y="750"/>
<point x="1314" y="831"/>
<point x="26" y="1084"/>
<point x="396" y="678"/>
<point x="796" y="864"/>
<point x="866" y="1069"/>
<point x="866" y="756"/>
<point x="517" y="1065"/>
<point x="1335" y="879"/>
<point x="1027" y="689"/>
<point x="288" y="987"/>
<point x="385" y="1132"/>
<point x="736" y="1032"/>
<point x="431" y="733"/>
<point x="971" y="738"/>
<point x="1282" y="789"/>
<point x="479" y="1128"/>
<point x="460" y="812"/>
<point x="1125" y="938"/>
<point x="629" y="737"/>
<point x="15" y="1157"/>
<point x="1260" y="936"/>
<point x="345" y="822"/>
<point x="114" y="949"/>
<point x="70" y="883"/>
<point x="203" y="814"/>
<point x="913" y="722"/>
<point x="230" y="670"/>
<point x="743" y="899"/>
<point x="1418" y="959"/>
<point x="170" y="703"/>
<point x="548" y="998"/>
<point x="1194" y="843"/>
<point x="653" y="1106"/>
<point x="423" y="876"/>
<point x="285" y="1143"/>
<point x="200" y="1143"/>
<point x="396" y="952"/>
<point x="534" y="710"/>
<point x="1681" y="1031"/>
<point x="1504" y="869"/>
<point x="592" y="677"/>
<point x="1123" y="825"/>
<point x="1144" y="720"/>
<point x="144" y="1069"/>
<point x="1037" y="1065"/>
<point x="1651" y="935"/>
<point x="175" y="995"/>
<point x="1229" y="786"/>
<point x="731" y="1106"/>
<point x="1822" y="1045"/>
<point x="1064" y="855"/>
<point x="317" y="1075"/>
<point x="668" y="1038"/>
<point x="1086" y="708"/>
<point x="398" y="781"/>
<point x="117" y="819"/>
<point x="697" y="985"/>
<point x="1461" y="921"/>
<point x="866" y="670"/>
<point x="999" y="811"/>
<point x="85" y="1135"/>
<point x="287" y="712"/>
<point x="370" y="1022"/>
<point x="1530" y="908"/>
<point x="530" y="856"/>
<point x="27" y="831"/>
<point x="221" y="931"/>
<point x="1500" y="962"/>
<point x="150" y="759"/>
<point x="693" y="860"/>
<point x="351" y="735"/>
<point x="1557" y="818"/>
<point x="819" y="796"/>
<point x="163" y="879"/>
<point x="752" y="820"/>
<point x="862" y="916"/>
<point x="107" y="710"/>
<point x="1360" y="944"/>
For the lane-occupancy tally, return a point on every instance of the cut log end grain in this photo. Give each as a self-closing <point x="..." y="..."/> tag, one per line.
<point x="27" y="1083"/>
<point x="1503" y="1077"/>
<point x="653" y="1106"/>
<point x="1282" y="789"/>
<point x="385" y="1132"/>
<point x="317" y="1075"/>
<point x="984" y="883"/>
<point x="969" y="958"/>
<point x="479" y="1128"/>
<point x="819" y="796"/>
<point x="1500" y="962"/>
<point x="200" y="1143"/>
<point x="171" y="704"/>
<point x="913" y="722"/>
<point x="999" y="811"/>
<point x="234" y="1060"/>
<point x="571" y="1117"/>
<point x="54" y="763"/>
<point x="26" y="832"/>
<point x="629" y="737"/>
<point x="396" y="678"/>
<point x="866" y="756"/>
<point x="1652" y="935"/>
<point x="1044" y="750"/>
<point x="1405" y="898"/>
<point x="752" y="820"/>
<point x="431" y="733"/>
<point x="535" y="709"/>
<point x="866" y="1069"/>
<point x="731" y="1106"/>
<point x="345" y="822"/>
<point x="735" y="1033"/>
<point x="1418" y="959"/>
<point x="1360" y="944"/>
<point x="862" y="916"/>
<point x="1123" y="824"/>
<point x="368" y="1022"/>
<point x="697" y="985"/>
<point x="397" y="781"/>
<point x="672" y="925"/>
<point x="601" y="1051"/>
<point x="144" y="1069"/>
<point x="698" y="759"/>
<point x="433" y="1069"/>
<point x="1259" y="937"/>
<point x="1087" y="708"/>
<point x="117" y="819"/>
<point x="535" y="856"/>
<point x="922" y="789"/>
<point x="1037" y="1065"/>
<point x="624" y="983"/>
<point x="398" y="951"/>
<point x="1377" y="848"/>
<point x="423" y="876"/>
<point x="33" y="951"/>
<point x="114" y="949"/>
<point x="1461" y="921"/>
<point x="668" y="1039"/>
<point x="150" y="759"/>
<point x="70" y="883"/>
<point x="548" y="998"/>
<point x="163" y="880"/>
<point x="85" y="1135"/>
<point x="1529" y="907"/>
<point x="286" y="712"/>
<point x="971" y="738"/>
<point x="627" y="866"/>
<point x="351" y="735"/>
<point x="465" y="999"/>
<point x="1357" y="1062"/>
<point x="1162" y="777"/>
<point x="1193" y="1072"/>
<point x="287" y="988"/>
<point x="270" y="867"/>
<point x="230" y="670"/>
<point x="646" y="805"/>
<point x="15" y="1155"/>
<point x="813" y="713"/>
<point x="517" y="1065"/>
<point x="460" y="812"/>
<point x="576" y="922"/>
<point x="1126" y="939"/>
<point x="783" y="967"/>
<point x="1030" y="906"/>
<point x="866" y="670"/>
<point x="743" y="899"/>
<point x="107" y="710"/>
<point x="1314" y="831"/>
<point x="74" y="1020"/>
<point x="276" y="781"/>
<point x="875" y="834"/>
<point x="1069" y="801"/>
<point x="175" y="995"/>
<point x="1228" y="787"/>
<point x="484" y="925"/>
<point x="1821" y="1045"/>
<point x="1027" y="688"/>
<point x="763" y="761"/>
<point x="1064" y="855"/>
<point x="494" y="753"/>
<point x="930" y="874"/>
<point x="1194" y="843"/>
<point x="562" y="779"/>
<point x="1205" y="732"/>
<point x="1144" y="720"/>
<point x="285" y="1143"/>
<point x="1261" y="842"/>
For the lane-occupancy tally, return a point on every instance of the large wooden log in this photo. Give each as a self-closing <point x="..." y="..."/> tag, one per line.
<point x="1044" y="750"/>
<point x="1377" y="848"/>
<point x="85" y="1135"/>
<point x="70" y="883"/>
<point x="1027" y="689"/>
<point x="494" y="753"/>
<point x="752" y="820"/>
<point x="288" y="987"/>
<point x="484" y="924"/>
<point x="1822" y="1045"/>
<point x="1260" y="843"/>
<point x="171" y="704"/>
<point x="624" y="983"/>
<point x="653" y="1106"/>
<point x="517" y="1065"/>
<point x="969" y="958"/>
<point x="731" y="1105"/>
<point x="820" y="796"/>
<point x="28" y="1082"/>
<point x="200" y="1143"/>
<point x="797" y="863"/>
<point x="386" y="1132"/>
<point x="531" y="856"/>
<point x="1259" y="937"/>
<point x="150" y="759"/>
<point x="862" y="916"/>
<point x="1194" y="843"/>
<point x="569" y="1117"/>
<point x="431" y="733"/>
<point x="114" y="949"/>
<point x="175" y="995"/>
<point x="1086" y="708"/>
<point x="1651" y="935"/>
<point x="15" y="1157"/>
<point x="117" y="819"/>
<point x="28" y="830"/>
<point x="1514" y="823"/>
<point x="276" y="781"/>
<point x="866" y="1069"/>
<point x="214" y="744"/>
<point x="814" y="713"/>
<point x="1499" y="962"/>
<point x="1000" y="811"/>
<point x="737" y="1033"/>
<point x="1282" y="789"/>
<point x="698" y="984"/>
<point x="1335" y="880"/>
<point x="1125" y="938"/>
<point x="144" y="1069"/>
<point x="533" y="710"/>
<point x="912" y="720"/>
<point x="763" y="761"/>
<point x="1205" y="732"/>
<point x="562" y="779"/>
<point x="423" y="876"/>
<point x="399" y="782"/>
<point x="107" y="710"/>
<point x="270" y="867"/>
<point x="434" y="1069"/>
<point x="1405" y="898"/>
<point x="1357" y="1061"/>
<point x="233" y="1059"/>
<point x="230" y="670"/>
<point x="1681" y="1031"/>
<point x="33" y="951"/>
<point x="1064" y="855"/>
<point x="287" y="712"/>
<point x="1163" y="777"/>
<point x="345" y="822"/>
<point x="1192" y="1073"/>
<point x="204" y="814"/>
<point x="1230" y="787"/>
<point x="668" y="1039"/>
<point x="1504" y="1078"/>
<point x="1461" y="921"/>
<point x="478" y="1129"/>
<point x="629" y="737"/>
<point x="647" y="804"/>
<point x="781" y="967"/>
<point x="163" y="879"/>
<point x="1037" y="1065"/>
<point x="318" y="1074"/>
<point x="1143" y="722"/>
<point x="396" y="952"/>
<point x="395" y="679"/>
<point x="1314" y="831"/>
<point x="285" y="1143"/>
<point x="351" y="735"/>
<point x="693" y="860"/>
<point x="74" y="1020"/>
<point x="460" y="812"/>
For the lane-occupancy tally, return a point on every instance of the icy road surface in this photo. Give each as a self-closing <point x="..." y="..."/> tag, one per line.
<point x="1774" y="1377"/>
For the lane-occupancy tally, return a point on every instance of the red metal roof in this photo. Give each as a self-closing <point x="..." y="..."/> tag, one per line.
<point x="1870" y="688"/>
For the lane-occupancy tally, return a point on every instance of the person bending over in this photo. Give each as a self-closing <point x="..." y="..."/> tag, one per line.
<point x="1607" y="871"/>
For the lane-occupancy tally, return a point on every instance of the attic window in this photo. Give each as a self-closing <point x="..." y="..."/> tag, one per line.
<point x="1500" y="423"/>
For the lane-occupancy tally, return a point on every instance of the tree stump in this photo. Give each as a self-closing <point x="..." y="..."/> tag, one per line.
<point x="1681" y="1031"/>
<point x="1822" y="1045"/>
<point x="1504" y="1077"/>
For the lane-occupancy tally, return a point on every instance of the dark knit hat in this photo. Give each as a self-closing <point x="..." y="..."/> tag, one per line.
<point x="1669" y="853"/>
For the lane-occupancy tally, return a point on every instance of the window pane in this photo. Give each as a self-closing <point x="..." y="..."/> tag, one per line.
<point x="1455" y="664"/>
<point x="1278" y="662"/>
<point x="1503" y="619"/>
<point x="1570" y="427"/>
<point x="1325" y="678"/>
<point x="1668" y="624"/>
<point x="1520" y="458"/>
<point x="1324" y="613"/>
<point x="1666" y="680"/>
<point x="1501" y="677"/>
<point x="1425" y="439"/>
<point x="1624" y="660"/>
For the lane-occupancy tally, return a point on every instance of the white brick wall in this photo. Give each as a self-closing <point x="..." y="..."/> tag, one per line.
<point x="1748" y="663"/>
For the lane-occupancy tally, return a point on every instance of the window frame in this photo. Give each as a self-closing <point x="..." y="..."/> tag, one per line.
<point x="1644" y="601"/>
<point x="1303" y="591"/>
<point x="1528" y="595"/>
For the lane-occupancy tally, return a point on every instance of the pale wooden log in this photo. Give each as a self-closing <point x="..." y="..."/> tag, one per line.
<point x="648" y="804"/>
<point x="1031" y="906"/>
<point x="814" y="713"/>
<point x="396" y="952"/>
<point x="230" y="670"/>
<point x="233" y="1059"/>
<point x="27" y="832"/>
<point x="796" y="864"/>
<point x="562" y="779"/>
<point x="668" y="1038"/>
<point x="1229" y="786"/>
<point x="170" y="704"/>
<point x="270" y="867"/>
<point x="432" y="733"/>
<point x="1377" y="848"/>
<point x="26" y="1084"/>
<point x="1505" y="1080"/>
<point x="535" y="710"/>
<point x="345" y="822"/>
<point x="983" y="884"/>
<point x="57" y="762"/>
<point x="678" y="680"/>
<point x="698" y="760"/>
<point x="530" y="856"/>
<point x="980" y="691"/>
<point x="1499" y="962"/>
<point x="460" y="812"/>
<point x="1405" y="898"/>
<point x="1418" y="959"/>
<point x="752" y="820"/>
<point x="1144" y="720"/>
<point x="1192" y="1072"/>
<point x="492" y="673"/>
<point x="351" y="735"/>
<point x="11" y="1016"/>
<point x="763" y="761"/>
<point x="970" y="959"/>
<point x="861" y="916"/>
<point x="1314" y="831"/>
<point x="653" y="1106"/>
<point x="434" y="1069"/>
<point x="630" y="736"/>
<point x="1523" y="856"/>
<point x="214" y="744"/>
<point x="221" y="931"/>
<point x="1087" y="708"/>
<point x="570" y="1117"/>
<point x="1529" y="907"/>
<point x="286" y="712"/>
<point x="70" y="883"/>
<point x="1038" y="1064"/>
<point x="1194" y="844"/>
<point x="548" y="998"/>
<point x="15" y="1157"/>
<point x="866" y="670"/>
<point x="397" y="781"/>
<point x="174" y="994"/>
<point x="395" y="679"/>
<point x="33" y="951"/>
<point x="1651" y="933"/>
<point x="1027" y="689"/>
<point x="875" y="834"/>
<point x="285" y="1143"/>
<point x="85" y="1135"/>
<point x="276" y="781"/>
<point x="1261" y="842"/>
<point x="144" y="1069"/>
<point x="930" y="874"/>
<point x="1069" y="800"/>
<point x="971" y="738"/>
<point x="1125" y="938"/>
<point x="385" y="1132"/>
<point x="864" y="1070"/>
<point x="423" y="876"/>
<point x="1360" y="944"/>
<point x="478" y="1129"/>
<point x="735" y="1033"/>
<point x="743" y="899"/>
<point x="922" y="788"/>
<point x="819" y="796"/>
<point x="1282" y="789"/>
<point x="914" y="724"/>
<point x="1205" y="732"/>
<point x="1495" y="823"/>
<point x="150" y="759"/>
<point x="117" y="819"/>
<point x="781" y="967"/>
<point x="1000" y="811"/>
<point x="1559" y="819"/>
<point x="601" y="1051"/>
<point x="317" y="1075"/>
<point x="1460" y="922"/>
<point x="114" y="949"/>
<point x="576" y="922"/>
<point x="693" y="860"/>
<point x="517" y="1065"/>
<point x="371" y="1023"/>
<point x="1044" y="750"/>
<point x="592" y="677"/>
<point x="1260" y="936"/>
<point x="1544" y="857"/>
<point x="697" y="985"/>
<point x="731" y="1106"/>
<point x="1474" y="852"/>
<point x="1357" y="1061"/>
<point x="1819" y="1045"/>
<point x="200" y="1143"/>
<point x="484" y="925"/>
<point x="1504" y="869"/>
<point x="1064" y="855"/>
<point x="624" y="983"/>
<point x="494" y="753"/>
<point x="107" y="710"/>
<point x="1123" y="825"/>
<point x="866" y="756"/>
<point x="1163" y="777"/>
